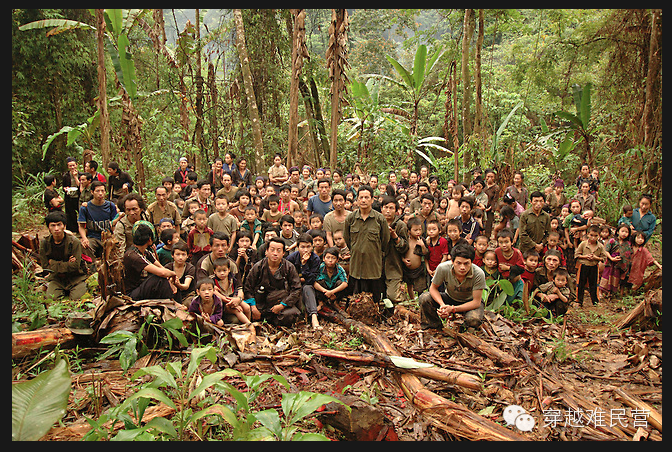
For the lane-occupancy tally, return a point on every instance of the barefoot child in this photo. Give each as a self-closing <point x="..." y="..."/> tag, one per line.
<point x="588" y="254"/>
<point x="229" y="290"/>
<point x="206" y="302"/>
<point x="414" y="269"/>
<point x="641" y="259"/>
<point x="331" y="282"/>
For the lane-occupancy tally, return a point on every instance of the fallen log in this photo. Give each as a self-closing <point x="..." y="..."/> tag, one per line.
<point x="26" y="342"/>
<point x="653" y="417"/>
<point x="482" y="347"/>
<point x="449" y="416"/>
<point x="376" y="359"/>
<point x="646" y="309"/>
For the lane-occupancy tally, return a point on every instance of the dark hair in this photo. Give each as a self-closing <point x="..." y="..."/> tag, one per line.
<point x="427" y="196"/>
<point x="504" y="233"/>
<point x="180" y="246"/>
<point x="274" y="198"/>
<point x="88" y="176"/>
<point x="221" y="262"/>
<point x="93" y="165"/>
<point x="627" y="208"/>
<point x="219" y="235"/>
<point x="205" y="280"/>
<point x="277" y="240"/>
<point x="97" y="183"/>
<point x="113" y="165"/>
<point x="48" y="179"/>
<point x="304" y="238"/>
<point x="287" y="219"/>
<point x="338" y="191"/>
<point x="168" y="179"/>
<point x="463" y="250"/>
<point x="130" y="197"/>
<point x="57" y="216"/>
<point x="593" y="228"/>
<point x="365" y="187"/>
<point x="529" y="253"/>
<point x="454" y="222"/>
<point x="142" y="234"/>
<point x="387" y="199"/>
<point x="240" y="233"/>
<point x="331" y="250"/>
<point x="203" y="182"/>
<point x="323" y="179"/>
<point x="320" y="233"/>
<point x="167" y="235"/>
<point x="536" y="194"/>
<point x="469" y="200"/>
<point x="560" y="271"/>
<point x="414" y="221"/>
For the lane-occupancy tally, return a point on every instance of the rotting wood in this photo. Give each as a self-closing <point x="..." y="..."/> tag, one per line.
<point x="653" y="417"/>
<point x="646" y="309"/>
<point x="26" y="342"/>
<point x="454" y="418"/>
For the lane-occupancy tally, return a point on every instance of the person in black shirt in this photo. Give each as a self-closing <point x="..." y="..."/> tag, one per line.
<point x="120" y="182"/>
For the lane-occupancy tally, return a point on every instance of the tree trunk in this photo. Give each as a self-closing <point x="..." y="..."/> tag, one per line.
<point x="337" y="63"/>
<point x="102" y="90"/>
<point x="317" y="109"/>
<point x="468" y="31"/>
<point x="310" y="113"/>
<point x="253" y="111"/>
<point x="478" y="121"/>
<point x="450" y="118"/>
<point x="214" y="123"/>
<point x="197" y="139"/>
<point x="299" y="51"/>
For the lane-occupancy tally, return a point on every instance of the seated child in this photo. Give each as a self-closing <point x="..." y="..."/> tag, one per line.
<point x="207" y="303"/>
<point x="531" y="260"/>
<point x="185" y="272"/>
<point x="480" y="246"/>
<point x="518" y="284"/>
<point x="319" y="241"/>
<point x="227" y="287"/>
<point x="252" y="224"/>
<point x="331" y="283"/>
<point x="169" y="237"/>
<point x="555" y="295"/>
<point x="490" y="265"/>
<point x="413" y="268"/>
<point x="188" y="223"/>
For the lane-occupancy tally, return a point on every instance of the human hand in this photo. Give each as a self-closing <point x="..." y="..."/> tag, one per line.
<point x="277" y="309"/>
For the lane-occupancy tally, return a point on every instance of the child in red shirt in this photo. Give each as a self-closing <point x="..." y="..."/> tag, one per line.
<point x="437" y="246"/>
<point x="507" y="255"/>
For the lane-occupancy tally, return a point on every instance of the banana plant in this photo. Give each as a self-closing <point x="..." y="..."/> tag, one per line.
<point x="580" y="122"/>
<point x="557" y="154"/>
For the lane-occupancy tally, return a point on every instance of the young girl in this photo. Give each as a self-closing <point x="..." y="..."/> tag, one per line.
<point x="490" y="265"/>
<point x="641" y="259"/>
<point x="454" y="202"/>
<point x="443" y="206"/>
<point x="185" y="272"/>
<point x="617" y="266"/>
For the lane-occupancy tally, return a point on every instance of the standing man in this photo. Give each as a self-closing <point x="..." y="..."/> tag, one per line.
<point x="491" y="189"/>
<point x="396" y="249"/>
<point x="335" y="220"/>
<point x="71" y="188"/>
<point x="321" y="203"/>
<point x="464" y="283"/>
<point x="534" y="226"/>
<point x="61" y="254"/>
<point x="162" y="208"/>
<point x="367" y="235"/>
<point x="273" y="287"/>
<point x="96" y="216"/>
<point x="120" y="182"/>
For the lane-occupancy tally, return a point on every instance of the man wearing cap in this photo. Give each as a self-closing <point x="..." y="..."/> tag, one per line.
<point x="145" y="278"/>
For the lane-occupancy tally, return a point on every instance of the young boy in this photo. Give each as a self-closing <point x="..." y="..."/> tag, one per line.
<point x="198" y="239"/>
<point x="414" y="274"/>
<point x="52" y="200"/>
<point x="207" y="303"/>
<point x="518" y="284"/>
<point x="288" y="234"/>
<point x="222" y="220"/>
<point x="188" y="223"/>
<point x="319" y="241"/>
<point x="437" y="246"/>
<point x="331" y="281"/>
<point x="507" y="255"/>
<point x="307" y="264"/>
<point x="253" y="225"/>
<point x="343" y="250"/>
<point x="469" y="225"/>
<point x="480" y="246"/>
<point x="627" y="217"/>
<point x="228" y="288"/>
<point x="555" y="295"/>
<point x="243" y="199"/>
<point x="531" y="260"/>
<point x="588" y="254"/>
<point x="169" y="237"/>
<point x="553" y="243"/>
<point x="315" y="221"/>
<point x="453" y="230"/>
<point x="272" y="215"/>
<point x="298" y="222"/>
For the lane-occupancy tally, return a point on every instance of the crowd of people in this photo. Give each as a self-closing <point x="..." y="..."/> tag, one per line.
<point x="238" y="247"/>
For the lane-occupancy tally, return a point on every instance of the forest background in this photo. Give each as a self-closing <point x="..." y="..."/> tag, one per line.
<point x="535" y="90"/>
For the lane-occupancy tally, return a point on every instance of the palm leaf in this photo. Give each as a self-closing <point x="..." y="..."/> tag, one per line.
<point x="419" y="67"/>
<point x="585" y="105"/>
<point x="60" y="25"/>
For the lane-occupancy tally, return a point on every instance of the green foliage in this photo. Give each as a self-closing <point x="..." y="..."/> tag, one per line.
<point x="39" y="403"/>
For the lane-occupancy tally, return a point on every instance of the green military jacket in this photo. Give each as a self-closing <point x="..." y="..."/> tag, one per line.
<point x="367" y="239"/>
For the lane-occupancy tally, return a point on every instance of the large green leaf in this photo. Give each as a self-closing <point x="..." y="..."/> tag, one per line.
<point x="585" y="105"/>
<point x="406" y="77"/>
<point x="39" y="403"/>
<point x="60" y="25"/>
<point x="419" y="67"/>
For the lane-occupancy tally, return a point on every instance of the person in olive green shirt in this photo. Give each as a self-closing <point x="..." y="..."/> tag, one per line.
<point x="367" y="235"/>
<point x="534" y="226"/>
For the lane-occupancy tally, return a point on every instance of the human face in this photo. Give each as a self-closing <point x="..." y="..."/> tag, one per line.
<point x="305" y="248"/>
<point x="461" y="266"/>
<point x="323" y="188"/>
<point x="551" y="262"/>
<point x="161" y="195"/>
<point x="180" y="256"/>
<point x="275" y="252"/>
<point x="287" y="229"/>
<point x="465" y="209"/>
<point x="226" y="180"/>
<point x="490" y="260"/>
<point x="330" y="260"/>
<point x="415" y="231"/>
<point x="537" y="204"/>
<point x="413" y="178"/>
<point x="242" y="165"/>
<point x="560" y="281"/>
<point x="592" y="237"/>
<point x="99" y="194"/>
<point x="585" y="188"/>
<point x="339" y="241"/>
<point x="456" y="194"/>
<point x="392" y="178"/>
<point x="227" y="158"/>
<point x="365" y="200"/>
<point x="219" y="248"/>
<point x="336" y="177"/>
<point x="221" y="204"/>
<point x="218" y="166"/>
<point x="531" y="262"/>
<point x="72" y="166"/>
<point x="57" y="230"/>
<point x="250" y="215"/>
<point x="517" y="180"/>
<point x="639" y="240"/>
<point x="243" y="202"/>
<point x="432" y="230"/>
<point x="552" y="241"/>
<point x="453" y="232"/>
<point x="201" y="220"/>
<point x="183" y="165"/>
<point x="479" y="245"/>
<point x="623" y="233"/>
<point x="644" y="205"/>
<point x="490" y="178"/>
<point x="504" y="243"/>
<point x="205" y="191"/>
<point x="273" y="206"/>
<point x="422" y="190"/>
<point x="338" y="202"/>
<point x="426" y="205"/>
<point x="132" y="210"/>
<point x="318" y="243"/>
<point x="244" y="243"/>
<point x="315" y="223"/>
<point x="575" y="207"/>
<point x="206" y="292"/>
<point x="221" y="272"/>
<point x="277" y="161"/>
<point x="284" y="194"/>
<point x="83" y="181"/>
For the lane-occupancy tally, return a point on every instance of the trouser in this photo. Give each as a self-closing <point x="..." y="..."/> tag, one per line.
<point x="153" y="287"/>
<point x="587" y="275"/>
<point x="429" y="317"/>
<point x="309" y="299"/>
<point x="71" y="213"/>
<point x="374" y="286"/>
<point x="74" y="287"/>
